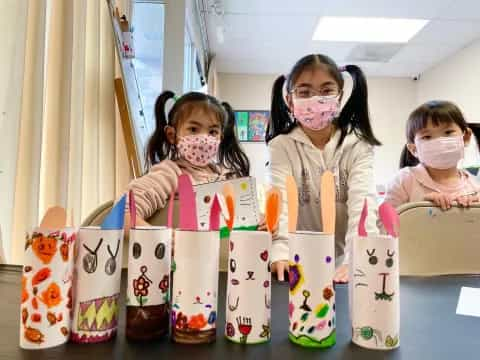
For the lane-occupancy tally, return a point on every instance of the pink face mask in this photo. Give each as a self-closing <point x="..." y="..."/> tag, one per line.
<point x="317" y="112"/>
<point x="441" y="153"/>
<point x="199" y="150"/>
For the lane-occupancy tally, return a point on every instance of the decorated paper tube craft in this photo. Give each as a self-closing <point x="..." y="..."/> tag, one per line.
<point x="195" y="276"/>
<point x="311" y="308"/>
<point x="98" y="268"/>
<point x="46" y="297"/>
<point x="148" y="284"/>
<point x="374" y="297"/>
<point x="249" y="281"/>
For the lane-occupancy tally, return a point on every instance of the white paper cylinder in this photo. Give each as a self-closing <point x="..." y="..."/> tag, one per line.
<point x="311" y="305"/>
<point x="46" y="301"/>
<point x="374" y="292"/>
<point x="195" y="286"/>
<point x="148" y="285"/>
<point x="248" y="287"/>
<point x="98" y="268"/>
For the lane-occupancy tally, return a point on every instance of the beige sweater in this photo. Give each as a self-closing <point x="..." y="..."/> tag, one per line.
<point x="352" y="165"/>
<point x="153" y="190"/>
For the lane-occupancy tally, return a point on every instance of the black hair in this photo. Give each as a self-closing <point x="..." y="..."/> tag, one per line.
<point x="231" y="156"/>
<point x="354" y="116"/>
<point x="436" y="111"/>
<point x="407" y="159"/>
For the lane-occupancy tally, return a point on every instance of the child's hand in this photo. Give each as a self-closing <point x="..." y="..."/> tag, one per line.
<point x="440" y="199"/>
<point x="467" y="200"/>
<point x="341" y="275"/>
<point x="262" y="226"/>
<point x="279" y="268"/>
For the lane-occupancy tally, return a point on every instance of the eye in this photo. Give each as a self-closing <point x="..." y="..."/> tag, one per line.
<point x="193" y="129"/>
<point x="214" y="132"/>
<point x="450" y="132"/>
<point x="426" y="137"/>
<point x="233" y="265"/>
<point x="206" y="199"/>
<point x="389" y="261"/>
<point x="372" y="259"/>
<point x="160" y="251"/>
<point x="136" y="250"/>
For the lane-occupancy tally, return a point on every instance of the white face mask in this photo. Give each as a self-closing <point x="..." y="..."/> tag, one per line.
<point x="441" y="153"/>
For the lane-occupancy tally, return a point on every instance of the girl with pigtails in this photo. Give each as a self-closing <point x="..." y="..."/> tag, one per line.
<point x="308" y="133"/>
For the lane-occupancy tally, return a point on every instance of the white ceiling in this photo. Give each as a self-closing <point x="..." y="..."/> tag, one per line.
<point x="268" y="36"/>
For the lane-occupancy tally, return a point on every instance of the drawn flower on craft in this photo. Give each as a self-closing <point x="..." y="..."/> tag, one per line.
<point x="197" y="322"/>
<point x="295" y="275"/>
<point x="44" y="247"/>
<point x="164" y="284"/>
<point x="24" y="289"/>
<point x="51" y="296"/>
<point x="182" y="321"/>
<point x="33" y="335"/>
<point x="291" y="309"/>
<point x="36" y="317"/>
<point x="41" y="275"/>
<point x="230" y="330"/>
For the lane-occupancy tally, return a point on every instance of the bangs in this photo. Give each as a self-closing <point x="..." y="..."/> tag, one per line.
<point x="439" y="113"/>
<point x="192" y="108"/>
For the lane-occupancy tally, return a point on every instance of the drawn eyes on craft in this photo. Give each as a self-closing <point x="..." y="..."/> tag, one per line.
<point x="90" y="260"/>
<point x="373" y="259"/>
<point x="207" y="199"/>
<point x="137" y="250"/>
<point x="233" y="265"/>
<point x="389" y="261"/>
<point x="160" y="251"/>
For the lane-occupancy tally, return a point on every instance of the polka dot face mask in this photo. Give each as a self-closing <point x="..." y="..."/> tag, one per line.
<point x="199" y="150"/>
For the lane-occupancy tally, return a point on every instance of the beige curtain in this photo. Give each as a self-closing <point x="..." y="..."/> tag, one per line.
<point x="71" y="151"/>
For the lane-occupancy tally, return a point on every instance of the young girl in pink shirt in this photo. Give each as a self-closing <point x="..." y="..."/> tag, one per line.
<point x="437" y="134"/>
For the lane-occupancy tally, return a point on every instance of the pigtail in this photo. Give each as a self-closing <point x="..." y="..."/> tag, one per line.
<point x="407" y="159"/>
<point x="158" y="147"/>
<point x="355" y="116"/>
<point x="230" y="154"/>
<point x="280" y="121"/>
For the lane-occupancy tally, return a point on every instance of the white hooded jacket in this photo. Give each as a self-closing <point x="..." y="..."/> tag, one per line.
<point x="352" y="165"/>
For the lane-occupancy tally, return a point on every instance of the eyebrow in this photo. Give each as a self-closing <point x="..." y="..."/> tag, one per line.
<point x="328" y="83"/>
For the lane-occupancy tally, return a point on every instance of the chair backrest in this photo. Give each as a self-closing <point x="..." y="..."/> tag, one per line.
<point x="436" y="242"/>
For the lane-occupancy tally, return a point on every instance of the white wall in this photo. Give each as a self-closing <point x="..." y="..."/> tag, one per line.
<point x="391" y="100"/>
<point x="457" y="79"/>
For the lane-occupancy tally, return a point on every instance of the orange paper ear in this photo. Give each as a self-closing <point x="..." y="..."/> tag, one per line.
<point x="292" y="200"/>
<point x="327" y="199"/>
<point x="54" y="218"/>
<point x="273" y="208"/>
<point x="230" y="202"/>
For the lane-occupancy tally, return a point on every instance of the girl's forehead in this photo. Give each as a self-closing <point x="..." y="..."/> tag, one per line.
<point x="203" y="115"/>
<point x="316" y="76"/>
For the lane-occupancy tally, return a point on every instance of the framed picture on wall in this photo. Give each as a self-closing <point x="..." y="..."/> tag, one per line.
<point x="251" y="125"/>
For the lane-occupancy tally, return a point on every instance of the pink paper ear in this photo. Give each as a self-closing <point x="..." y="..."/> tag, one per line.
<point x="363" y="218"/>
<point x="215" y="214"/>
<point x="188" y="208"/>
<point x="390" y="219"/>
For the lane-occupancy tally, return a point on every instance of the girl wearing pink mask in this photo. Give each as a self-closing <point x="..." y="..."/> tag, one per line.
<point x="309" y="133"/>
<point x="437" y="134"/>
<point x="196" y="137"/>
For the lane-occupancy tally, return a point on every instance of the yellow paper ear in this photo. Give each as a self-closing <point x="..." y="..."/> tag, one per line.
<point x="327" y="199"/>
<point x="273" y="208"/>
<point x="54" y="218"/>
<point x="229" y="196"/>
<point x="292" y="200"/>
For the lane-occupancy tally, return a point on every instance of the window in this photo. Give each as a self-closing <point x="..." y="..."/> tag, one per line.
<point x="148" y="25"/>
<point x="191" y="78"/>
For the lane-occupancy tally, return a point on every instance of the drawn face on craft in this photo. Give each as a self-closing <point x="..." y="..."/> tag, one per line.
<point x="376" y="262"/>
<point x="44" y="247"/>
<point x="243" y="268"/>
<point x="105" y="255"/>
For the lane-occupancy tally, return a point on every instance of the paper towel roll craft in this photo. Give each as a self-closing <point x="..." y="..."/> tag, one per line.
<point x="148" y="283"/>
<point x="311" y="307"/>
<point x="46" y="297"/>
<point x="195" y="276"/>
<point x="374" y="286"/>
<point x="98" y="267"/>
<point x="249" y="280"/>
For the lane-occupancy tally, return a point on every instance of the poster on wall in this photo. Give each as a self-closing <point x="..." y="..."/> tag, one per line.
<point x="251" y="125"/>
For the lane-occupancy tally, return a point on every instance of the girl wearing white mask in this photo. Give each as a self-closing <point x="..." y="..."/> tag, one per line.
<point x="195" y="137"/>
<point x="437" y="134"/>
<point x="309" y="133"/>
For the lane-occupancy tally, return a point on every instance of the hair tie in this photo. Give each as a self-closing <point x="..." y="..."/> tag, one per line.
<point x="342" y="68"/>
